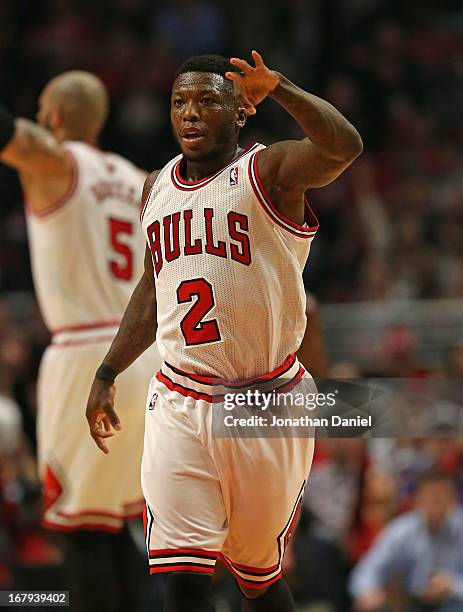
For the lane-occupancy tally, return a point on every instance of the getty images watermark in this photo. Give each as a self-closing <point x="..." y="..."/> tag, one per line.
<point x="273" y="403"/>
<point x="382" y="408"/>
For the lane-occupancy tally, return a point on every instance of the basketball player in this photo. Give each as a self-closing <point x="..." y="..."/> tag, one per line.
<point x="82" y="208"/>
<point x="228" y="233"/>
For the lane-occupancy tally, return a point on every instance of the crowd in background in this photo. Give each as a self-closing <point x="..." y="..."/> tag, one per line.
<point x="356" y="486"/>
<point x="390" y="228"/>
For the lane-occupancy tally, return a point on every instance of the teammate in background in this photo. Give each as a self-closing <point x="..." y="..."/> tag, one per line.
<point x="228" y="233"/>
<point x="82" y="208"/>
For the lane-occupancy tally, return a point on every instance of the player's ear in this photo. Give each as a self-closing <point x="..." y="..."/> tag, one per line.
<point x="241" y="116"/>
<point x="56" y="119"/>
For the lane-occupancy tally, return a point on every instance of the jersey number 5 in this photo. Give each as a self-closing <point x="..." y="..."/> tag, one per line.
<point x="194" y="329"/>
<point x="123" y="267"/>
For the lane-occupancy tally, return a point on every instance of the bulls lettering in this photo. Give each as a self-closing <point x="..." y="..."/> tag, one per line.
<point x="174" y="238"/>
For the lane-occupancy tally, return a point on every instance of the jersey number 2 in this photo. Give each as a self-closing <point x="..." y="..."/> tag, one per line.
<point x="122" y="268"/>
<point x="194" y="329"/>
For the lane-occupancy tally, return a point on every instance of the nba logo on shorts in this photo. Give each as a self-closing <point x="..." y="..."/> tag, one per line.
<point x="234" y="176"/>
<point x="153" y="401"/>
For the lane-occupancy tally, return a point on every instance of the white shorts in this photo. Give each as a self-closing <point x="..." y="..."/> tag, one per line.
<point x="210" y="497"/>
<point x="84" y="488"/>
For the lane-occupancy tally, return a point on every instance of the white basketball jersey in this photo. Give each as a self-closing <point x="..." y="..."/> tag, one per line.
<point x="228" y="271"/>
<point x="87" y="249"/>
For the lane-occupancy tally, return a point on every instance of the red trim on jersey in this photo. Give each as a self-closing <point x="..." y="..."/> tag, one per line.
<point x="189" y="552"/>
<point x="289" y="528"/>
<point x="293" y="382"/>
<point x="52" y="488"/>
<point x="261" y="584"/>
<point x="215" y="399"/>
<point x="281" y="220"/>
<point x="85" y="326"/>
<point x="183" y="185"/>
<point x="208" y="380"/>
<point x="60" y="202"/>
<point x="186" y="392"/>
<point x="276" y="211"/>
<point x="255" y="570"/>
<point x="178" y="568"/>
<point x="145" y="204"/>
<point x="84" y="525"/>
<point x="258" y="584"/>
<point x="82" y="342"/>
<point x="145" y="520"/>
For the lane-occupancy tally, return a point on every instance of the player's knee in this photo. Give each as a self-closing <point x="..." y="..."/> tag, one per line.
<point x="187" y="591"/>
<point x="252" y="593"/>
<point x="275" y="598"/>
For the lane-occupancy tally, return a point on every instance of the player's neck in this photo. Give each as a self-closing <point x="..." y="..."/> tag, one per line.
<point x="65" y="135"/>
<point x="195" y="171"/>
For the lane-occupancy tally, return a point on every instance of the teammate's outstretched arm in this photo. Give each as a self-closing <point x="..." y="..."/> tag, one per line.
<point x="288" y="168"/>
<point x="30" y="148"/>
<point x="136" y="333"/>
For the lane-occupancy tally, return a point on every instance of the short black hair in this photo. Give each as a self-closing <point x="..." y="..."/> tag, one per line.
<point x="434" y="475"/>
<point x="217" y="64"/>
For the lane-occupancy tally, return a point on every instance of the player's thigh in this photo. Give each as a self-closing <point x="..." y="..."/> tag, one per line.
<point x="186" y="520"/>
<point x="263" y="479"/>
<point x="263" y="495"/>
<point x="64" y="380"/>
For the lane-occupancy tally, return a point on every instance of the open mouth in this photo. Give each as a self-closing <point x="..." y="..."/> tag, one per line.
<point x="192" y="138"/>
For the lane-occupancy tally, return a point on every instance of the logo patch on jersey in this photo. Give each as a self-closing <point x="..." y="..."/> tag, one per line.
<point x="153" y="401"/>
<point x="234" y="175"/>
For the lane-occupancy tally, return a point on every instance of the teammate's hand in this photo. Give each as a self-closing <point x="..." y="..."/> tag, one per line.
<point x="254" y="84"/>
<point x="100" y="413"/>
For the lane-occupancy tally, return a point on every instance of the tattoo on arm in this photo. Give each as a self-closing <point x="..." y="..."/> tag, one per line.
<point x="325" y="126"/>
<point x="330" y="146"/>
<point x="137" y="330"/>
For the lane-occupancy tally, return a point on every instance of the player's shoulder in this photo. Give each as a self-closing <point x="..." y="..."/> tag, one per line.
<point x="149" y="182"/>
<point x="112" y="162"/>
<point x="247" y="154"/>
<point x="275" y="149"/>
<point x="77" y="147"/>
<point x="115" y="161"/>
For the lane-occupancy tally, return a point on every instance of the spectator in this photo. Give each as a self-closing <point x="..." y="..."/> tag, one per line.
<point x="423" y="549"/>
<point x="333" y="486"/>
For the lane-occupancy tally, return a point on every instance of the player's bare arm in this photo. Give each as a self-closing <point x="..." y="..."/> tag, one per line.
<point x="44" y="167"/>
<point x="290" y="167"/>
<point x="34" y="150"/>
<point x="137" y="332"/>
<point x="312" y="352"/>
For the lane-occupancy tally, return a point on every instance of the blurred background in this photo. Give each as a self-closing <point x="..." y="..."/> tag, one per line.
<point x="386" y="266"/>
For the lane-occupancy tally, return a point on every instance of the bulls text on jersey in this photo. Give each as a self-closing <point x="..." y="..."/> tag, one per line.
<point x="167" y="245"/>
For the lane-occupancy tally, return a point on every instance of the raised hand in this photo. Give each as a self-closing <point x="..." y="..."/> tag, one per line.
<point x="254" y="83"/>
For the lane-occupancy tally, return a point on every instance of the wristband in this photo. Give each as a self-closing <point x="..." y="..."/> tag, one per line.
<point x="106" y="373"/>
<point x="7" y="127"/>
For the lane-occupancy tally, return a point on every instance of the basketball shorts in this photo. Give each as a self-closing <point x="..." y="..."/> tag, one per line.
<point x="82" y="487"/>
<point x="210" y="496"/>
